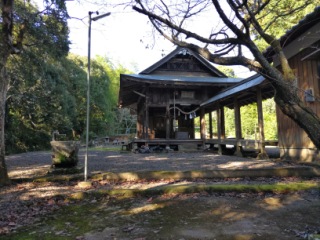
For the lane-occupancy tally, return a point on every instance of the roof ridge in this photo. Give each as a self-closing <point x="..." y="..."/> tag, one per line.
<point x="177" y="51"/>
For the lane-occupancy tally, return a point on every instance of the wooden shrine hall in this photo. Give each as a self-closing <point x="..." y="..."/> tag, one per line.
<point x="168" y="95"/>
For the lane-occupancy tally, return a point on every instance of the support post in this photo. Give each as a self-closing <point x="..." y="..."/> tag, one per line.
<point x="262" y="154"/>
<point x="168" y="116"/>
<point x="143" y="125"/>
<point x="203" y="126"/>
<point x="237" y="123"/>
<point x="210" y="125"/>
<point x="221" y="129"/>
<point x="140" y="117"/>
<point x="147" y="115"/>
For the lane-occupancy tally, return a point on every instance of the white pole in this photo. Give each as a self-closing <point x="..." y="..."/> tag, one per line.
<point x="88" y="101"/>
<point x="88" y="90"/>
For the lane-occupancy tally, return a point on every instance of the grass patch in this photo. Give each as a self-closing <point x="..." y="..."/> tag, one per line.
<point x="208" y="174"/>
<point x="107" y="148"/>
<point x="198" y="188"/>
<point x="256" y="188"/>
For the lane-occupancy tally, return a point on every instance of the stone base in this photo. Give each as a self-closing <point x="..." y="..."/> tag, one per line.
<point x="65" y="153"/>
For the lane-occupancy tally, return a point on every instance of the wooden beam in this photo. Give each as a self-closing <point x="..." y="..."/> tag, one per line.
<point x="140" y="94"/>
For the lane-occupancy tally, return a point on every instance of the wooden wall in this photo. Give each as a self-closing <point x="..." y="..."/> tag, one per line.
<point x="159" y="100"/>
<point x="293" y="141"/>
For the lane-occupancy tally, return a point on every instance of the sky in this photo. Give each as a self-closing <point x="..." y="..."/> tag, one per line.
<point x="125" y="36"/>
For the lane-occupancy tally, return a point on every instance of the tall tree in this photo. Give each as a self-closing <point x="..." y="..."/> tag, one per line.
<point x="40" y="100"/>
<point x="49" y="94"/>
<point x="24" y="27"/>
<point x="243" y="22"/>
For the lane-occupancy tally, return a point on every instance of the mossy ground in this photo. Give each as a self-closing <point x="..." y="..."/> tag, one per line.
<point x="219" y="215"/>
<point x="185" y="205"/>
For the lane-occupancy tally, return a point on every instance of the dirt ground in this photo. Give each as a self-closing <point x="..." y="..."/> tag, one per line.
<point x="33" y="210"/>
<point x="221" y="217"/>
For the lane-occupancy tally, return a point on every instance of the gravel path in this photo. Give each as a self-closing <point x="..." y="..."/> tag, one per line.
<point x="34" y="163"/>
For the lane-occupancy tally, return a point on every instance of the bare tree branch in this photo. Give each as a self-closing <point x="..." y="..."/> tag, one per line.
<point x="188" y="34"/>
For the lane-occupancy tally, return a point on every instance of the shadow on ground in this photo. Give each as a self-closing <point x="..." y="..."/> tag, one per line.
<point x="96" y="214"/>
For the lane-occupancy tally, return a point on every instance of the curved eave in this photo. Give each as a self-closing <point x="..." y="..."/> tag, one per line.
<point x="179" y="80"/>
<point x="245" y="92"/>
<point x="131" y="84"/>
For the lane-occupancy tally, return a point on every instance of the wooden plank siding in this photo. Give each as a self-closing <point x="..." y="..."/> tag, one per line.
<point x="293" y="141"/>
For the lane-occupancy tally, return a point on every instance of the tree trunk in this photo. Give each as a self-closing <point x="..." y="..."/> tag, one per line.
<point x="4" y="179"/>
<point x="292" y="106"/>
<point x="5" y="51"/>
<point x="286" y="96"/>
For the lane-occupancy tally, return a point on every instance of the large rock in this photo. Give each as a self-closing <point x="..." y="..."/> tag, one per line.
<point x="65" y="153"/>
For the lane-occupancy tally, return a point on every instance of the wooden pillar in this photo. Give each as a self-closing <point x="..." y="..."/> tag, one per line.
<point x="202" y="124"/>
<point x="263" y="154"/>
<point x="210" y="125"/>
<point x="147" y="116"/>
<point x="140" y="118"/>
<point x="237" y="123"/>
<point x="143" y="117"/>
<point x="168" y="116"/>
<point x="221" y="129"/>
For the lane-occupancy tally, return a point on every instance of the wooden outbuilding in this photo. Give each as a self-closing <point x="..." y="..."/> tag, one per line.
<point x="302" y="48"/>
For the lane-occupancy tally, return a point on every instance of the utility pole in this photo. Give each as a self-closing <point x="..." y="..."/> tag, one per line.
<point x="88" y="87"/>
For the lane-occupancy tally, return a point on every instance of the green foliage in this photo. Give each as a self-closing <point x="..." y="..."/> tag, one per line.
<point x="270" y="119"/>
<point x="249" y="117"/>
<point x="227" y="71"/>
<point x="125" y="121"/>
<point x="52" y="96"/>
<point x="45" y="32"/>
<point x="229" y="123"/>
<point x="276" y="21"/>
<point x="48" y="90"/>
<point x="44" y="38"/>
<point x="249" y="121"/>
